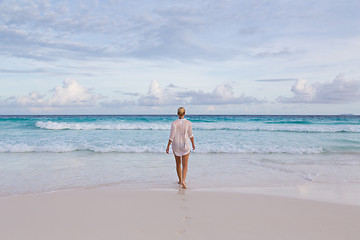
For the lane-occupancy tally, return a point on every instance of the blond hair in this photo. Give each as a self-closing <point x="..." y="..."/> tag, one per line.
<point x="181" y="111"/>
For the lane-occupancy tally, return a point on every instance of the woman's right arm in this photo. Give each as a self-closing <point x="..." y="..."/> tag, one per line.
<point x="171" y="137"/>
<point x="191" y="136"/>
<point x="192" y="142"/>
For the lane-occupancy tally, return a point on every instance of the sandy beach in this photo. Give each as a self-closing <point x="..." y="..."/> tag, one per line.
<point x="114" y="213"/>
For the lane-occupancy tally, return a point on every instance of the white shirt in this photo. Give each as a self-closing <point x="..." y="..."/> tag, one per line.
<point x="181" y="131"/>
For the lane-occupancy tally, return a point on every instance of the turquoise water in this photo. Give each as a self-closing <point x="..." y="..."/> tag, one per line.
<point x="214" y="134"/>
<point x="48" y="153"/>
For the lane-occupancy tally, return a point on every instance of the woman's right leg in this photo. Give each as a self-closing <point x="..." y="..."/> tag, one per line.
<point x="185" y="160"/>
<point x="178" y="167"/>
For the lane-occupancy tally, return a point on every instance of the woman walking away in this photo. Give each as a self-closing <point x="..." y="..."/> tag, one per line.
<point x="181" y="132"/>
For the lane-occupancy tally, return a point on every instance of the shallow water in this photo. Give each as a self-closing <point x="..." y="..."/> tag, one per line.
<point x="23" y="173"/>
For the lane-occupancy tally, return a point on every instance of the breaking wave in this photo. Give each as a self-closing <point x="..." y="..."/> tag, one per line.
<point x="50" y="125"/>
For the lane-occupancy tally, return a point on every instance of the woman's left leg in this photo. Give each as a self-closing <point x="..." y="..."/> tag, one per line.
<point x="178" y="167"/>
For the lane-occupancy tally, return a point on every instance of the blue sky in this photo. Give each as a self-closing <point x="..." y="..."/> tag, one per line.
<point x="149" y="57"/>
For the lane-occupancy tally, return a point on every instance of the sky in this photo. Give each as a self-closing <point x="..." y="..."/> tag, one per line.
<point x="150" y="57"/>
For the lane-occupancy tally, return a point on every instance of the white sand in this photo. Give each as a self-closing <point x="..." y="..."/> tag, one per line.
<point x="113" y="213"/>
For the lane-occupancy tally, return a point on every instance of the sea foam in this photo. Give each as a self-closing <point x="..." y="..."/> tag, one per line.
<point x="201" y="148"/>
<point x="50" y="125"/>
<point x="91" y="126"/>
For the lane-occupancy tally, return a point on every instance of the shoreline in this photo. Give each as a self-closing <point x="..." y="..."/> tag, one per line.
<point x="115" y="213"/>
<point x="338" y="193"/>
<point x="38" y="172"/>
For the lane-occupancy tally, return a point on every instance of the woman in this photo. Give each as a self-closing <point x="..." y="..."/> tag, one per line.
<point x="181" y="130"/>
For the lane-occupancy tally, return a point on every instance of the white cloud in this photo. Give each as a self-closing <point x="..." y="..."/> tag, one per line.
<point x="71" y="29"/>
<point x="211" y="108"/>
<point x="222" y="94"/>
<point x="157" y="96"/>
<point x="33" y="99"/>
<point x="277" y="80"/>
<point x="303" y="91"/>
<point x="181" y="30"/>
<point x="279" y="53"/>
<point x="154" y="95"/>
<point x="114" y="104"/>
<point x="71" y="94"/>
<point x="340" y="90"/>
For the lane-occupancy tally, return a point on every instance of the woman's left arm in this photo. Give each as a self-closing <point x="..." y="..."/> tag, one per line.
<point x="168" y="146"/>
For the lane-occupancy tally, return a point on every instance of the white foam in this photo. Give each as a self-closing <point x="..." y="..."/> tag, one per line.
<point x="57" y="148"/>
<point x="311" y="176"/>
<point x="90" y="126"/>
<point x="199" y="126"/>
<point x="23" y="148"/>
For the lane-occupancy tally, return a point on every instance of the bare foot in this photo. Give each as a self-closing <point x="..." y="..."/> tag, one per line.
<point x="179" y="182"/>
<point x="183" y="185"/>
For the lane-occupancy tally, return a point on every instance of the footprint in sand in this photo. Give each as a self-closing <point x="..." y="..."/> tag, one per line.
<point x="182" y="232"/>
<point x="183" y="208"/>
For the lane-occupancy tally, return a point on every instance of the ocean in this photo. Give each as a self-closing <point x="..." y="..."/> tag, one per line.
<point x="50" y="153"/>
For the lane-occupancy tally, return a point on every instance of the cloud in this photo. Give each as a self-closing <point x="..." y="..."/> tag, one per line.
<point x="182" y="30"/>
<point x="134" y="94"/>
<point x="70" y="94"/>
<point x="117" y="103"/>
<point x="51" y="30"/>
<point x="47" y="31"/>
<point x="249" y="31"/>
<point x="38" y="46"/>
<point x="211" y="108"/>
<point x="37" y="70"/>
<point x="172" y="86"/>
<point x="221" y="95"/>
<point x="277" y="80"/>
<point x="341" y="90"/>
<point x="156" y="96"/>
<point x="33" y="99"/>
<point x="280" y="53"/>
